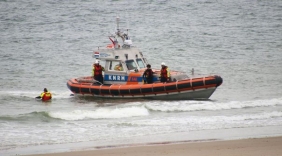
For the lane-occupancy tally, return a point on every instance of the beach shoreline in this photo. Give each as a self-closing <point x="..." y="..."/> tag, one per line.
<point x="247" y="147"/>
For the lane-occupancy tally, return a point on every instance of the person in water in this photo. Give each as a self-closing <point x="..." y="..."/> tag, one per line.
<point x="148" y="75"/>
<point x="45" y="95"/>
<point x="97" y="71"/>
<point x="165" y="73"/>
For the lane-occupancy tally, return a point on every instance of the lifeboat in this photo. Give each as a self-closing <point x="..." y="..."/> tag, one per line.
<point x="129" y="82"/>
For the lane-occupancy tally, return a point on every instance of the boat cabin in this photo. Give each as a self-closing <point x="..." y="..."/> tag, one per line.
<point x="120" y="63"/>
<point x="125" y="64"/>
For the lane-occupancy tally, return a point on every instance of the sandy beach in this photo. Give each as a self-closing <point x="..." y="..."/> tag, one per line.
<point x="269" y="146"/>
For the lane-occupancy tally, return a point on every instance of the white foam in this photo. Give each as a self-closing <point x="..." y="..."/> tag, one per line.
<point x="100" y="113"/>
<point x="209" y="105"/>
<point x="32" y="94"/>
<point x="213" y="122"/>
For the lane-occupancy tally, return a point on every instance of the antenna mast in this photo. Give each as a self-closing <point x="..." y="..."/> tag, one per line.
<point x="117" y="23"/>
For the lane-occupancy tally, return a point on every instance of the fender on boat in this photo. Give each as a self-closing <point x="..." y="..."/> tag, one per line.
<point x="218" y="80"/>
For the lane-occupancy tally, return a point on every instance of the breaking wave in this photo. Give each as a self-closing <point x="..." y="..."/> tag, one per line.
<point x="189" y="106"/>
<point x="100" y="113"/>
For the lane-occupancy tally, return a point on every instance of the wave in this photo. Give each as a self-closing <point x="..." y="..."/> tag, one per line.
<point x="32" y="116"/>
<point x="100" y="113"/>
<point x="217" y="121"/>
<point x="32" y="94"/>
<point x="188" y="106"/>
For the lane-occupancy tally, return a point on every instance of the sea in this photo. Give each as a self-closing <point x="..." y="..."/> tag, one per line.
<point x="43" y="44"/>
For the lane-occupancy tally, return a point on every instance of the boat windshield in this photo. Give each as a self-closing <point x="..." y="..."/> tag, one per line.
<point x="140" y="63"/>
<point x="115" y="65"/>
<point x="131" y="64"/>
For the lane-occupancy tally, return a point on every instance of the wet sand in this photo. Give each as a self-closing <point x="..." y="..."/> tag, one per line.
<point x="269" y="146"/>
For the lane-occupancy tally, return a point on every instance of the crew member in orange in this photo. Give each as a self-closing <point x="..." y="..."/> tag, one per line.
<point x="45" y="96"/>
<point x="118" y="67"/>
<point x="97" y="71"/>
<point x="165" y="73"/>
<point x="148" y="75"/>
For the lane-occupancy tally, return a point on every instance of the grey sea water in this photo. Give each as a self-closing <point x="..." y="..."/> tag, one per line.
<point x="45" y="43"/>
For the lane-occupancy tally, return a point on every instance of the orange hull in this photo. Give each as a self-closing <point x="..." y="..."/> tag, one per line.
<point x="194" y="88"/>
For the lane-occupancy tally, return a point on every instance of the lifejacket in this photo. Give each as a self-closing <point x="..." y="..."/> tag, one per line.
<point x="110" y="46"/>
<point x="98" y="70"/>
<point x="118" y="68"/>
<point x="164" y="72"/>
<point x="148" y="73"/>
<point x="45" y="96"/>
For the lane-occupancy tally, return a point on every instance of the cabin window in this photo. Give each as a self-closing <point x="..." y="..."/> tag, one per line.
<point x="116" y="66"/>
<point x="131" y="64"/>
<point x="140" y="63"/>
